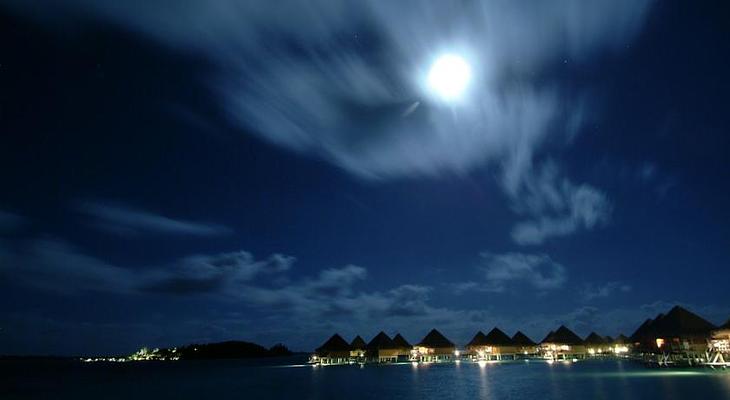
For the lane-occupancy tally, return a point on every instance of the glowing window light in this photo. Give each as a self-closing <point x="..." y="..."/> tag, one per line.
<point x="659" y="343"/>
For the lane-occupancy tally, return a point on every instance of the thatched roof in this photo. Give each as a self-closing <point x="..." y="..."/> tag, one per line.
<point x="564" y="336"/>
<point x="594" y="338"/>
<point x="401" y="342"/>
<point x="547" y="337"/>
<point x="726" y="325"/>
<point x="641" y="331"/>
<point x="478" y="340"/>
<point x="496" y="337"/>
<point x="621" y="339"/>
<point x="680" y="322"/>
<point x="521" y="339"/>
<point x="435" y="339"/>
<point x="381" y="341"/>
<point x="334" y="344"/>
<point x="676" y="323"/>
<point x="608" y="339"/>
<point x="358" y="343"/>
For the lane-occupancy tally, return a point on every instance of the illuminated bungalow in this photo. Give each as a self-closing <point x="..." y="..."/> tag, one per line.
<point x="475" y="347"/>
<point x="497" y="345"/>
<point x="403" y="347"/>
<point x="562" y="344"/>
<point x="434" y="347"/>
<point x="679" y="331"/>
<point x="357" y="349"/>
<point x="524" y="344"/>
<point x="621" y="345"/>
<point x="381" y="349"/>
<point x="720" y="346"/>
<point x="334" y="351"/>
<point x="596" y="344"/>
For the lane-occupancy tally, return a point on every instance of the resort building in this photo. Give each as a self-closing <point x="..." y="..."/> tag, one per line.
<point x="434" y="347"/>
<point x="525" y="346"/>
<point x="475" y="347"/>
<point x="496" y="345"/>
<point x="357" y="349"/>
<point x="562" y="344"/>
<point x="677" y="331"/>
<point x="403" y="348"/>
<point x="719" y="346"/>
<point x="597" y="344"/>
<point x="621" y="345"/>
<point x="381" y="349"/>
<point x="334" y="351"/>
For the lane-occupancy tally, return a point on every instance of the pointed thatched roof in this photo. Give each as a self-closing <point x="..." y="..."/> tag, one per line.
<point x="608" y="339"/>
<point x="564" y="336"/>
<point x="641" y="331"/>
<point x="478" y="340"/>
<point x="594" y="338"/>
<point x="621" y="339"/>
<point x="679" y="322"/>
<point x="401" y="342"/>
<point x="435" y="339"/>
<point x="358" y="343"/>
<point x="496" y="337"/>
<point x="334" y="344"/>
<point x="381" y="341"/>
<point x="547" y="337"/>
<point x="521" y="339"/>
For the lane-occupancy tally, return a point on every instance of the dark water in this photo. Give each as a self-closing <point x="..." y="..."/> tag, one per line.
<point x="251" y="380"/>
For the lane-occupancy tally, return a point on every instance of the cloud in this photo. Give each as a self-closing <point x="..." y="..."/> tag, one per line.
<point x="128" y="221"/>
<point x="338" y="80"/>
<point x="500" y="271"/>
<point x="591" y="292"/>
<point x="10" y="221"/>
<point x="56" y="266"/>
<point x="557" y="207"/>
<point x="215" y="273"/>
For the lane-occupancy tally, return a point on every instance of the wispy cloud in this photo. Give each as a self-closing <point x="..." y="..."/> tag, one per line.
<point x="557" y="207"/>
<point x="10" y="221"/>
<point x="500" y="271"/>
<point x="340" y="80"/>
<point x="129" y="221"/>
<point x="592" y="291"/>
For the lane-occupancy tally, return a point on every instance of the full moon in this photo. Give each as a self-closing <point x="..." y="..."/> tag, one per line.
<point x="449" y="76"/>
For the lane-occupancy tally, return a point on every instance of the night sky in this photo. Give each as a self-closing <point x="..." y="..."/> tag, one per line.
<point x="198" y="171"/>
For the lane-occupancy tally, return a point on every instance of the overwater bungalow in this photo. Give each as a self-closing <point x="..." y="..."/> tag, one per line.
<point x="620" y="345"/>
<point x="357" y="349"/>
<point x="596" y="344"/>
<point x="719" y="346"/>
<point x="381" y="349"/>
<point x="562" y="344"/>
<point x="475" y="347"/>
<point x="434" y="347"/>
<point x="403" y="348"/>
<point x="497" y="346"/>
<point x="678" y="331"/>
<point x="334" y="351"/>
<point x="525" y="345"/>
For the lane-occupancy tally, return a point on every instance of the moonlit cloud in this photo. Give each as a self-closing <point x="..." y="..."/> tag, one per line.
<point x="128" y="221"/>
<point x="592" y="291"/>
<point x="334" y="79"/>
<point x="10" y="221"/>
<point x="556" y="207"/>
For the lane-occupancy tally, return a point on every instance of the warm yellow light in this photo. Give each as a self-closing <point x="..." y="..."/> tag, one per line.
<point x="659" y="343"/>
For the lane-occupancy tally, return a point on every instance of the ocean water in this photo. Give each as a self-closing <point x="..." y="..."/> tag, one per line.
<point x="239" y="379"/>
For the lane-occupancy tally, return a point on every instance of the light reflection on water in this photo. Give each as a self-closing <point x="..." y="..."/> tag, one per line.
<point x="246" y="380"/>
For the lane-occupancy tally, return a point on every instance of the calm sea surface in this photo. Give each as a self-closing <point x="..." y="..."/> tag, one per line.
<point x="252" y="380"/>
